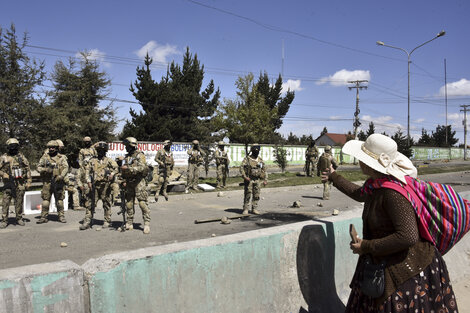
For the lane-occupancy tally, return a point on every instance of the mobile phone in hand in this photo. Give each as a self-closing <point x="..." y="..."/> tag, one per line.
<point x="353" y="233"/>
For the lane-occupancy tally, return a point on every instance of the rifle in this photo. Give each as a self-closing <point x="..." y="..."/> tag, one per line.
<point x="93" y="188"/>
<point x="11" y="181"/>
<point x="123" y="209"/>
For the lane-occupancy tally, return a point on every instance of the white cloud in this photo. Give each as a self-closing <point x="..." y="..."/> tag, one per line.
<point x="381" y="123"/>
<point x="342" y="77"/>
<point x="93" y="54"/>
<point x="292" y="85"/>
<point x="159" y="53"/>
<point x="458" y="88"/>
<point x="455" y="116"/>
<point x="419" y="120"/>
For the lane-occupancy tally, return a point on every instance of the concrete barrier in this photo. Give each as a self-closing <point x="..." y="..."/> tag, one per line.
<point x="48" y="287"/>
<point x="281" y="269"/>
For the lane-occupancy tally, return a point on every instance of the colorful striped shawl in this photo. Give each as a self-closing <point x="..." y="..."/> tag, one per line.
<point x="443" y="215"/>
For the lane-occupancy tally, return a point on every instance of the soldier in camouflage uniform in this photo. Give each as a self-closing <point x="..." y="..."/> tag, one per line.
<point x="222" y="161"/>
<point x="253" y="172"/>
<point x="311" y="158"/>
<point x="100" y="174"/>
<point x="166" y="162"/>
<point x="86" y="153"/>
<point x="16" y="175"/>
<point x="72" y="188"/>
<point x="195" y="160"/>
<point x="53" y="168"/>
<point x="133" y="171"/>
<point x="324" y="162"/>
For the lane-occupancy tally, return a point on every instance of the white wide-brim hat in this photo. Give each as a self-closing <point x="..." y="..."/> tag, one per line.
<point x="381" y="154"/>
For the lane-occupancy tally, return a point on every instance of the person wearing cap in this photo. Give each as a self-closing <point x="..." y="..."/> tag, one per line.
<point x="87" y="152"/>
<point x="221" y="161"/>
<point x="324" y="162"/>
<point x="415" y="273"/>
<point x="253" y="172"/>
<point x="195" y="160"/>
<point x="166" y="162"/>
<point x="99" y="175"/>
<point x="53" y="168"/>
<point x="16" y="174"/>
<point x="133" y="171"/>
<point x="311" y="158"/>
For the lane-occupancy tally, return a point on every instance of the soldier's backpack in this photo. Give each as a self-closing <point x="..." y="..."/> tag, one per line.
<point x="443" y="215"/>
<point x="324" y="163"/>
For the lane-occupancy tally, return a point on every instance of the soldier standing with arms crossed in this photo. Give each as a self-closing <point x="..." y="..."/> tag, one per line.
<point x="53" y="168"/>
<point x="133" y="171"/>
<point x="326" y="159"/>
<point x="253" y="172"/>
<point x="195" y="160"/>
<point x="16" y="175"/>
<point x="311" y="158"/>
<point x="222" y="161"/>
<point x="100" y="174"/>
<point x="166" y="162"/>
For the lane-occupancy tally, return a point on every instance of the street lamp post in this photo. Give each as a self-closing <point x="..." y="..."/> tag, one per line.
<point x="381" y="43"/>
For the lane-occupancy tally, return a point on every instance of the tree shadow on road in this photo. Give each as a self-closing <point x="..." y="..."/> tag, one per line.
<point x="316" y="269"/>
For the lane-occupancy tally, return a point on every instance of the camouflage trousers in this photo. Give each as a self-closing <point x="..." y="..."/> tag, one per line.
<point x="326" y="190"/>
<point x="252" y="189"/>
<point x="7" y="197"/>
<point x="162" y="182"/>
<point x="74" y="197"/>
<point x="310" y="165"/>
<point x="193" y="175"/>
<point x="58" y="191"/>
<point x="137" y="190"/>
<point x="103" y="193"/>
<point x="221" y="175"/>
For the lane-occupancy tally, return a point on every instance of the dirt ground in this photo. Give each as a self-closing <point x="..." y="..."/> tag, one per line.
<point x="174" y="221"/>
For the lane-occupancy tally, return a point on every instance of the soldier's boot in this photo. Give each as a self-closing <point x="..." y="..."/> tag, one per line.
<point x="20" y="222"/>
<point x="255" y="211"/>
<point x="3" y="224"/>
<point x="129" y="225"/>
<point x="166" y="196"/>
<point x="147" y="228"/>
<point x="245" y="211"/>
<point x="156" y="197"/>
<point x="42" y="220"/>
<point x="85" y="225"/>
<point x="106" y="224"/>
<point x="62" y="219"/>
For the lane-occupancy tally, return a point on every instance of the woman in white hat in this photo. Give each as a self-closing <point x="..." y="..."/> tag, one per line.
<point x="415" y="275"/>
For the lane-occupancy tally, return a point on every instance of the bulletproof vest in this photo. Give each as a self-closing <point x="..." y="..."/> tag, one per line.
<point x="130" y="160"/>
<point x="195" y="156"/>
<point x="100" y="169"/>
<point x="254" y="168"/>
<point x="87" y="154"/>
<point x="223" y="154"/>
<point x="17" y="167"/>
<point x="56" y="163"/>
<point x="324" y="162"/>
<point x="166" y="158"/>
<point x="311" y="152"/>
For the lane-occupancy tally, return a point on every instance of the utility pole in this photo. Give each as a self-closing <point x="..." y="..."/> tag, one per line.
<point x="464" y="130"/>
<point x="357" y="86"/>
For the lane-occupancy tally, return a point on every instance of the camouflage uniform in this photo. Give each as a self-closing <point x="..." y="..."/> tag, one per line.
<point x="16" y="174"/>
<point x="133" y="172"/>
<point x="222" y="161"/>
<point x="87" y="153"/>
<point x="53" y="168"/>
<point x="165" y="163"/>
<point x="72" y="187"/>
<point x="324" y="162"/>
<point x="253" y="172"/>
<point x="100" y="172"/>
<point x="195" y="160"/>
<point x="311" y="158"/>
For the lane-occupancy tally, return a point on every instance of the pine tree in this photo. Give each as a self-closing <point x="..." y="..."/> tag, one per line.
<point x="361" y="136"/>
<point x="425" y="139"/>
<point x="20" y="102"/>
<point x="402" y="143"/>
<point x="324" y="131"/>
<point x="439" y="136"/>
<point x="175" y="108"/>
<point x="371" y="129"/>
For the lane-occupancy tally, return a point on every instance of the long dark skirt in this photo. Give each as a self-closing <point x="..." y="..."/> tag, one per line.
<point x="429" y="291"/>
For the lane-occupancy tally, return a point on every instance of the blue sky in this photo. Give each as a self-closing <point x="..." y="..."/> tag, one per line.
<point x="326" y="43"/>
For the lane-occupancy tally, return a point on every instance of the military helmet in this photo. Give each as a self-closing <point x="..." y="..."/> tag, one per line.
<point x="60" y="143"/>
<point x="12" y="141"/>
<point x="195" y="142"/>
<point x="87" y="138"/>
<point x="221" y="143"/>
<point x="102" y="146"/>
<point x="167" y="143"/>
<point x="328" y="148"/>
<point x="255" y="146"/>
<point x="130" y="141"/>
<point x="52" y="143"/>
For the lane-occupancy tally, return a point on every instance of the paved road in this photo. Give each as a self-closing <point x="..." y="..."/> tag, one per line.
<point x="173" y="221"/>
